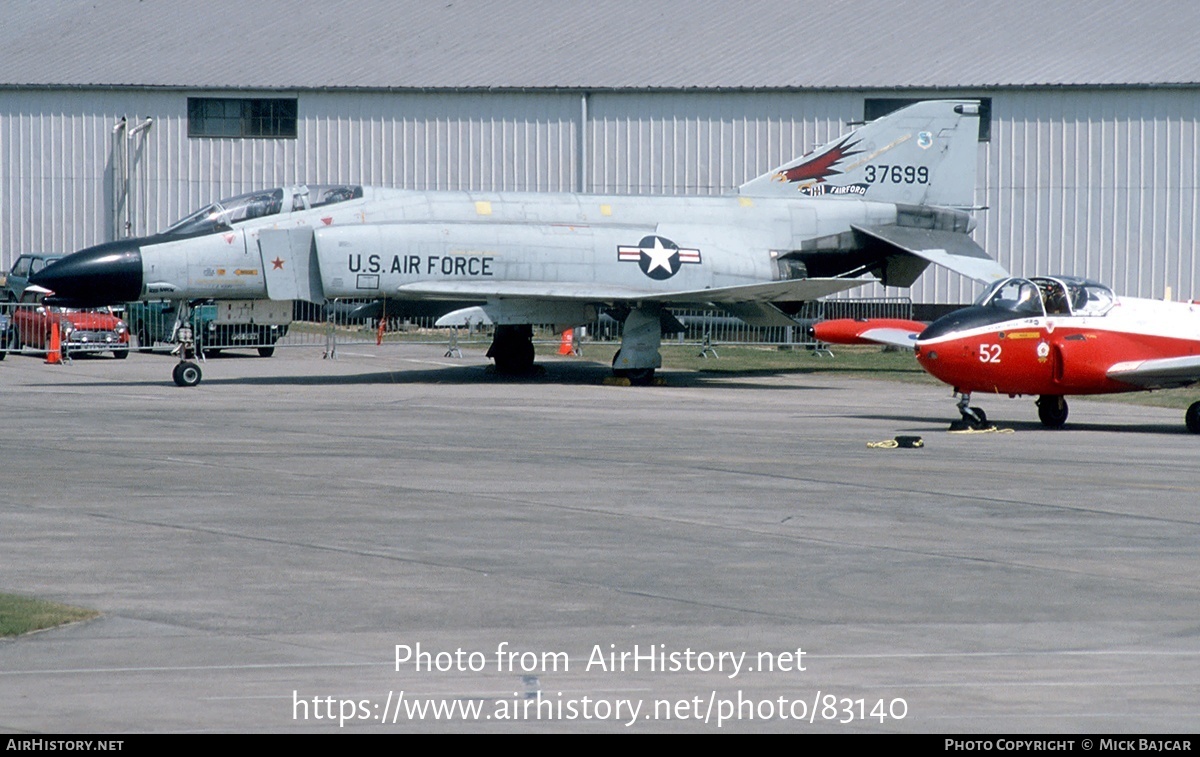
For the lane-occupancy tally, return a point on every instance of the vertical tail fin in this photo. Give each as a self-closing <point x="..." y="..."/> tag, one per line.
<point x="923" y="154"/>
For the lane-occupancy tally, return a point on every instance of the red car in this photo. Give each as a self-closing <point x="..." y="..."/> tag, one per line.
<point x="96" y="330"/>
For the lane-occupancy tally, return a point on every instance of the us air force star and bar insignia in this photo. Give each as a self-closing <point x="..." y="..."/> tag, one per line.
<point x="658" y="257"/>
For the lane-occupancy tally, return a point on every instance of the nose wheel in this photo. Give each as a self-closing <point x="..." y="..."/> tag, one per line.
<point x="973" y="418"/>
<point x="186" y="372"/>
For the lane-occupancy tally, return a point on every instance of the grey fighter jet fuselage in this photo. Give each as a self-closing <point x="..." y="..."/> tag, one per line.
<point x="879" y="204"/>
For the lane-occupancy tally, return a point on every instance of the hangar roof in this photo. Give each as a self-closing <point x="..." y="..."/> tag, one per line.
<point x="598" y="44"/>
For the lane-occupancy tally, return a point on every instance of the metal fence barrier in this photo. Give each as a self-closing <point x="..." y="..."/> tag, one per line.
<point x="151" y="326"/>
<point x="356" y="322"/>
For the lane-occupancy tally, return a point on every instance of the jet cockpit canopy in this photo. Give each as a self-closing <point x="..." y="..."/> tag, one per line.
<point x="1049" y="295"/>
<point x="224" y="214"/>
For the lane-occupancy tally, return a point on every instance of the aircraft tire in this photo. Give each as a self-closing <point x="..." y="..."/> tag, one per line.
<point x="512" y="349"/>
<point x="635" y="376"/>
<point x="186" y="374"/>
<point x="640" y="376"/>
<point x="514" y="364"/>
<point x="1052" y="410"/>
<point x="1192" y="418"/>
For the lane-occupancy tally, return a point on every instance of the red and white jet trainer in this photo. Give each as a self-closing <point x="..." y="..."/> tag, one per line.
<point x="1050" y="336"/>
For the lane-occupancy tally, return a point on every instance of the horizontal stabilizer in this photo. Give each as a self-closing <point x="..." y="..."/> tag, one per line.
<point x="1162" y="373"/>
<point x="949" y="249"/>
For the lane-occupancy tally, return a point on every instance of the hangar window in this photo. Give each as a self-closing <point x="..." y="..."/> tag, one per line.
<point x="878" y="107"/>
<point x="257" y="118"/>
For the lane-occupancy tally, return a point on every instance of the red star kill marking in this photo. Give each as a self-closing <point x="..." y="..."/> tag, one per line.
<point x="278" y="264"/>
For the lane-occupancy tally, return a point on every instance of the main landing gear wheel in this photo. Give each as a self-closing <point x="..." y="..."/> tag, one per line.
<point x="1052" y="410"/>
<point x="512" y="349"/>
<point x="1192" y="418"/>
<point x="641" y="337"/>
<point x="635" y="376"/>
<point x="186" y="374"/>
<point x="640" y="376"/>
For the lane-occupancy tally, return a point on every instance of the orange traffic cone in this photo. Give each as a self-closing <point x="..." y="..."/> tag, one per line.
<point x="567" y="345"/>
<point x="54" y="354"/>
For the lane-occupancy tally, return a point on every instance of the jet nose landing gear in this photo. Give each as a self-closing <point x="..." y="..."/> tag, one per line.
<point x="973" y="418"/>
<point x="186" y="372"/>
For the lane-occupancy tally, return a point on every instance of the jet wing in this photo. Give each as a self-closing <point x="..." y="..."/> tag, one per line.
<point x="1161" y="373"/>
<point x="891" y="337"/>
<point x="789" y="290"/>
<point x="893" y="332"/>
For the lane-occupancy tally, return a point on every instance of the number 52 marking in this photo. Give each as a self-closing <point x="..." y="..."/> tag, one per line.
<point x="989" y="353"/>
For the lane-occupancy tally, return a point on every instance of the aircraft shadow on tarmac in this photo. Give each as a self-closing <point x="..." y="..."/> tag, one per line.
<point x="942" y="424"/>
<point x="565" y="373"/>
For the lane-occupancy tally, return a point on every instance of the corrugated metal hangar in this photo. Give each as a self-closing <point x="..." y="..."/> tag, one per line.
<point x="118" y="117"/>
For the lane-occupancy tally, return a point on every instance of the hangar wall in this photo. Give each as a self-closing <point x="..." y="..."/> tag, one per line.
<point x="1101" y="183"/>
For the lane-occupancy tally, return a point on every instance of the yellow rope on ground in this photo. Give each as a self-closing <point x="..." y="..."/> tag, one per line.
<point x="908" y="442"/>
<point x="988" y="430"/>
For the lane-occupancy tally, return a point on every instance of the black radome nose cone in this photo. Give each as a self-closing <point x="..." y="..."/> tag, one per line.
<point x="107" y="274"/>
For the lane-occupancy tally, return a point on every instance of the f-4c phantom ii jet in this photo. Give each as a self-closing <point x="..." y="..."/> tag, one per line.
<point x="880" y="203"/>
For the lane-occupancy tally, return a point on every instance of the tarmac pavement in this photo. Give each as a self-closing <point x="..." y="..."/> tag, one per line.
<point x="399" y="541"/>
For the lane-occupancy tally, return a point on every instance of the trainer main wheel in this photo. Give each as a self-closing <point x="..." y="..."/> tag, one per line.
<point x="1052" y="410"/>
<point x="1192" y="418"/>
